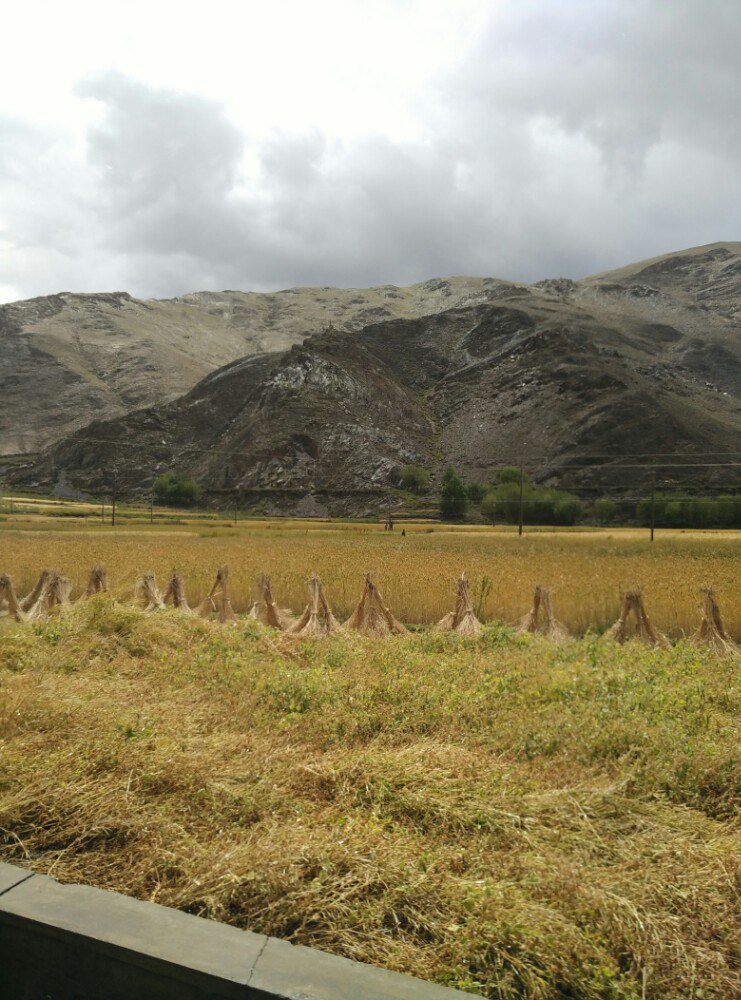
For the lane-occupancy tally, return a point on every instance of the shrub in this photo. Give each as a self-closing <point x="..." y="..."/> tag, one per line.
<point x="676" y="510"/>
<point x="475" y="492"/>
<point x="415" y="478"/>
<point x="175" y="489"/>
<point x="604" y="510"/>
<point x="510" y="474"/>
<point x="453" y="500"/>
<point x="540" y="505"/>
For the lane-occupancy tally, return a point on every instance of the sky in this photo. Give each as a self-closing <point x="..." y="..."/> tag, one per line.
<point x="166" y="147"/>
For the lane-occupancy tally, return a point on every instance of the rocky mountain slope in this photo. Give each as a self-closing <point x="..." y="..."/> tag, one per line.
<point x="645" y="359"/>
<point x="68" y="359"/>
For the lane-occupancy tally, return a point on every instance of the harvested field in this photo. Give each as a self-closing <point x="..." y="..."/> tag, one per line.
<point x="587" y="572"/>
<point x="500" y="812"/>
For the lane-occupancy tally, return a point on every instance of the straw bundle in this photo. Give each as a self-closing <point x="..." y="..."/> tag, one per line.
<point x="175" y="593"/>
<point x="462" y="619"/>
<point x="147" y="593"/>
<point x="53" y="591"/>
<point x="371" y="616"/>
<point x="58" y="593"/>
<point x="317" y="620"/>
<point x="711" y="630"/>
<point x="267" y="611"/>
<point x="11" y="606"/>
<point x="31" y="599"/>
<point x="217" y="599"/>
<point x="549" y="626"/>
<point x="97" y="581"/>
<point x="644" y="630"/>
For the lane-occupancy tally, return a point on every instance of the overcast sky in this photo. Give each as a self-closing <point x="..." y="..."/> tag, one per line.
<point x="166" y="147"/>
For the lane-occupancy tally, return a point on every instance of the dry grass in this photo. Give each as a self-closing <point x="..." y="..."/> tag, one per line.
<point x="587" y="571"/>
<point x="502" y="814"/>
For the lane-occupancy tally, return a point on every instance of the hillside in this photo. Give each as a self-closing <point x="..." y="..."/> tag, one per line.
<point x="68" y="359"/>
<point x="644" y="359"/>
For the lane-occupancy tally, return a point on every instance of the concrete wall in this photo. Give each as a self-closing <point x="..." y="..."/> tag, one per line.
<point x="73" y="942"/>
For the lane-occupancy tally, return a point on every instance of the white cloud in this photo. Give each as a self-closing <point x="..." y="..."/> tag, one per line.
<point x="348" y="143"/>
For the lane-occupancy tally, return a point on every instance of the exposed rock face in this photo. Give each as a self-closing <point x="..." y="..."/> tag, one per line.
<point x="645" y="359"/>
<point x="68" y="359"/>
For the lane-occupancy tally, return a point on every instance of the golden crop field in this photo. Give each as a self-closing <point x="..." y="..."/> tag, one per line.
<point x="587" y="570"/>
<point x="502" y="814"/>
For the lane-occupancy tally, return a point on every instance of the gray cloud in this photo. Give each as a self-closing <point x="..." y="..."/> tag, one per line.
<point x="575" y="137"/>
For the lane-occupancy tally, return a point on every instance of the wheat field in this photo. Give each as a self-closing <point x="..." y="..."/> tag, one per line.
<point x="587" y="570"/>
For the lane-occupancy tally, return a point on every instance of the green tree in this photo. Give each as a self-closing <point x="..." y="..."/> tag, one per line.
<point x="567" y="509"/>
<point x="175" y="489"/>
<point x="489" y="506"/>
<point x="453" y="500"/>
<point x="540" y="505"/>
<point x="510" y="474"/>
<point x="729" y="511"/>
<point x="605" y="510"/>
<point x="415" y="478"/>
<point x="475" y="492"/>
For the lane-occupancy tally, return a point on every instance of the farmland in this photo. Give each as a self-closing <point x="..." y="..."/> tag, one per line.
<point x="505" y="815"/>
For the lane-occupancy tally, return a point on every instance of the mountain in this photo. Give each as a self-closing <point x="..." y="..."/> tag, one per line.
<point x="641" y="360"/>
<point x="68" y="359"/>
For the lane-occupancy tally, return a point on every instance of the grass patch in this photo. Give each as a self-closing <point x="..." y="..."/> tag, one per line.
<point x="500" y="815"/>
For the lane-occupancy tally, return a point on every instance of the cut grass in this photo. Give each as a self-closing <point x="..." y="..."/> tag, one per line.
<point x="500" y="814"/>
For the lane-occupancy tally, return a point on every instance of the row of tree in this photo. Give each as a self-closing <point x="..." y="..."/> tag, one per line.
<point x="502" y="500"/>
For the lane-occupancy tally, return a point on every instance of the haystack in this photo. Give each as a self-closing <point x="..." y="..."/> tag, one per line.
<point x="10" y="604"/>
<point x="217" y="599"/>
<point x="267" y="611"/>
<point x="53" y="593"/>
<point x="540" y="618"/>
<point x="30" y="599"/>
<point x="462" y="619"/>
<point x="97" y="582"/>
<point x="644" y="630"/>
<point x="711" y="630"/>
<point x="317" y="619"/>
<point x="147" y="593"/>
<point x="175" y="593"/>
<point x="59" y="590"/>
<point x="371" y="616"/>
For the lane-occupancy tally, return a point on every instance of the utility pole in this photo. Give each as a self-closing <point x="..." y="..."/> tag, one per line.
<point x="522" y="492"/>
<point x="151" y="508"/>
<point x="653" y="503"/>
<point x="113" y="496"/>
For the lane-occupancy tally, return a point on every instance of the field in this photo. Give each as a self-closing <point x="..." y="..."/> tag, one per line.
<point x="587" y="569"/>
<point x="508" y="816"/>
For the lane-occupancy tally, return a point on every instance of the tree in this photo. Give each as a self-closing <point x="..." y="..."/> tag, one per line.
<point x="175" y="489"/>
<point x="567" y="509"/>
<point x="490" y="506"/>
<point x="729" y="511"/>
<point x="475" y="492"/>
<point x="511" y="474"/>
<point x="453" y="500"/>
<point x="540" y="505"/>
<point x="415" y="478"/>
<point x="604" y="510"/>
